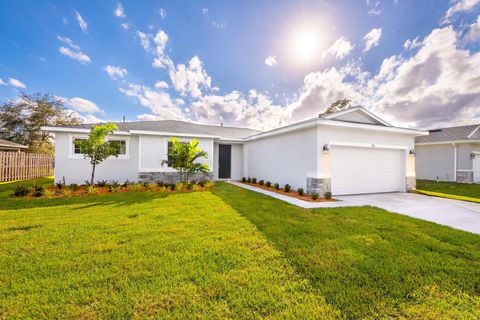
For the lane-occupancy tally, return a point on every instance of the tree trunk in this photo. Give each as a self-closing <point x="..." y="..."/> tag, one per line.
<point x="93" y="174"/>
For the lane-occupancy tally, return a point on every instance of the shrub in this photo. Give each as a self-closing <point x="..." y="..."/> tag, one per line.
<point x="115" y="184"/>
<point x="268" y="184"/>
<point x="244" y="179"/>
<point x="197" y="187"/>
<point x="59" y="184"/>
<point x="86" y="183"/>
<point x="38" y="192"/>
<point x="201" y="183"/>
<point x="160" y="183"/>
<point x="287" y="188"/>
<point x="328" y="195"/>
<point x="90" y="190"/>
<point x="181" y="187"/>
<point x="163" y="189"/>
<point x="67" y="192"/>
<point x="126" y="183"/>
<point x="300" y="191"/>
<point x="135" y="187"/>
<point x="209" y="185"/>
<point x="151" y="186"/>
<point x="102" y="183"/>
<point x="249" y="179"/>
<point x="21" y="191"/>
<point x="48" y="193"/>
<point x="73" y="186"/>
<point x="114" y="188"/>
<point x="277" y="186"/>
<point x="254" y="180"/>
<point x="315" y="196"/>
<point x="261" y="182"/>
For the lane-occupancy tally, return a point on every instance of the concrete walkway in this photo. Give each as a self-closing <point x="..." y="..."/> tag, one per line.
<point x="456" y="214"/>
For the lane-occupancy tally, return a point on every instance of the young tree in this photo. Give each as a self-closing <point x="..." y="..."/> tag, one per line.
<point x="182" y="157"/>
<point x="337" y="106"/>
<point x="21" y="119"/>
<point x="96" y="147"/>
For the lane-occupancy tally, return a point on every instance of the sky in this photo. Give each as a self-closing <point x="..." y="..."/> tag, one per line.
<point x="259" y="64"/>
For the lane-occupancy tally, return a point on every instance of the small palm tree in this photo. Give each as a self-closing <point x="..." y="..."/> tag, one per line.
<point x="182" y="157"/>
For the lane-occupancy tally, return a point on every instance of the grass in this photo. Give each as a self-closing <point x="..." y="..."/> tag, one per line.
<point x="469" y="190"/>
<point x="370" y="263"/>
<point x="139" y="255"/>
<point x="228" y="253"/>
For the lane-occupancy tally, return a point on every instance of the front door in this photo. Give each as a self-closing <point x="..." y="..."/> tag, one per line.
<point x="224" y="161"/>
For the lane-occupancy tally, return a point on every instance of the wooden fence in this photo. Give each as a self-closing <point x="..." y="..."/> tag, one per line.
<point x="22" y="166"/>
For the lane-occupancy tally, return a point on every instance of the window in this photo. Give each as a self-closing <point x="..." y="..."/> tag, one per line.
<point x="169" y="158"/>
<point x="120" y="146"/>
<point x="77" y="149"/>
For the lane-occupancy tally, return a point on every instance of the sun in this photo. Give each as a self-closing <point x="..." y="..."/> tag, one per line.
<point x="305" y="45"/>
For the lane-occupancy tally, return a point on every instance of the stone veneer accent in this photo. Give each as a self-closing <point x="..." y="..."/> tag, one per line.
<point x="465" y="176"/>
<point x="411" y="183"/>
<point x="171" y="177"/>
<point x="319" y="185"/>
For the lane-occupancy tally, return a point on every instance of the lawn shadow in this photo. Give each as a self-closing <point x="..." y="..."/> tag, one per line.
<point x="119" y="199"/>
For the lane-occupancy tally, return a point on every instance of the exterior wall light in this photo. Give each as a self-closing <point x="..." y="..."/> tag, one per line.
<point x="473" y="155"/>
<point x="325" y="148"/>
<point x="412" y="152"/>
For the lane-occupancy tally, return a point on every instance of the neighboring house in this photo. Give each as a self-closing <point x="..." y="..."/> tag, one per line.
<point x="6" y="145"/>
<point x="449" y="154"/>
<point x="348" y="152"/>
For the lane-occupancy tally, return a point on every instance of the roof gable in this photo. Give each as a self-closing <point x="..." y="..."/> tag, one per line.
<point x="357" y="115"/>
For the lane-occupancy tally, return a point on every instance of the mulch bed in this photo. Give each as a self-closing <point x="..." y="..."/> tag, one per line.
<point x="292" y="193"/>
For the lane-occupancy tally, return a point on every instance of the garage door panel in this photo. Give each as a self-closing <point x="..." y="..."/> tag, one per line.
<point x="366" y="170"/>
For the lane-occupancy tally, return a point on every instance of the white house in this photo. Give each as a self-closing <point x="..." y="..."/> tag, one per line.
<point x="348" y="152"/>
<point x="450" y="154"/>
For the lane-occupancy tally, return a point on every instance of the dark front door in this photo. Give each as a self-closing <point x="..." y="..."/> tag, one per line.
<point x="224" y="161"/>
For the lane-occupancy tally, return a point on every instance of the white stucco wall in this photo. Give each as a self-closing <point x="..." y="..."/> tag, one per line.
<point x="76" y="169"/>
<point x="154" y="150"/>
<point x="434" y="161"/>
<point x="287" y="158"/>
<point x="236" y="165"/>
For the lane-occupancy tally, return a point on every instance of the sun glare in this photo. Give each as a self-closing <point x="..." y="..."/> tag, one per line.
<point x="305" y="45"/>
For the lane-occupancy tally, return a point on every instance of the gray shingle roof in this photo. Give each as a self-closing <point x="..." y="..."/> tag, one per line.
<point x="180" y="127"/>
<point x="9" y="144"/>
<point x="449" y="134"/>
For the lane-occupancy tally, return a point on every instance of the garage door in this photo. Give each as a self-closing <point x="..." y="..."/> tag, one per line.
<point x="366" y="170"/>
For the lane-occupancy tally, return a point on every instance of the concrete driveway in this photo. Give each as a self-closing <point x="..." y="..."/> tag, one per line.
<point x="456" y="214"/>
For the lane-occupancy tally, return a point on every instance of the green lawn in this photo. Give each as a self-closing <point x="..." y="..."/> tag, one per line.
<point x="228" y="253"/>
<point x="471" y="190"/>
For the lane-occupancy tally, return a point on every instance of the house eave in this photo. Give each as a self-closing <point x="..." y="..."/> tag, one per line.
<point x="433" y="143"/>
<point x="77" y="130"/>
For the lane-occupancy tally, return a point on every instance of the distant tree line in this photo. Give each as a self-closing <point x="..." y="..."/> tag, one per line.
<point x="21" y="119"/>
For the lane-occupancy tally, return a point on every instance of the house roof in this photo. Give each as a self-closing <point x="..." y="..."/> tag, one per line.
<point x="11" y="145"/>
<point x="180" y="127"/>
<point x="462" y="133"/>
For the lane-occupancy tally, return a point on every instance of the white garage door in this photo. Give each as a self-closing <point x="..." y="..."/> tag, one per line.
<point x="366" y="170"/>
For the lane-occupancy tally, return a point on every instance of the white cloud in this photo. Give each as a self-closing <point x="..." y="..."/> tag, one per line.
<point x="271" y="60"/>
<point x="115" y="73"/>
<point x="148" y="117"/>
<point x="411" y="44"/>
<point x="85" y="118"/>
<point x="474" y="32"/>
<point x="161" y="60"/>
<point x="340" y="48"/>
<point x="190" y="79"/>
<point x="65" y="21"/>
<point x="216" y="24"/>
<point x="145" y="40"/>
<point x="372" y="38"/>
<point x="16" y="83"/>
<point x="160" y="104"/>
<point x="74" y="51"/>
<point x="81" y="22"/>
<point x="161" y="85"/>
<point x="459" y="6"/>
<point x="125" y="26"/>
<point x="119" y="11"/>
<point x="2" y="83"/>
<point x="81" y="105"/>
<point x="162" y="12"/>
<point x="373" y="7"/>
